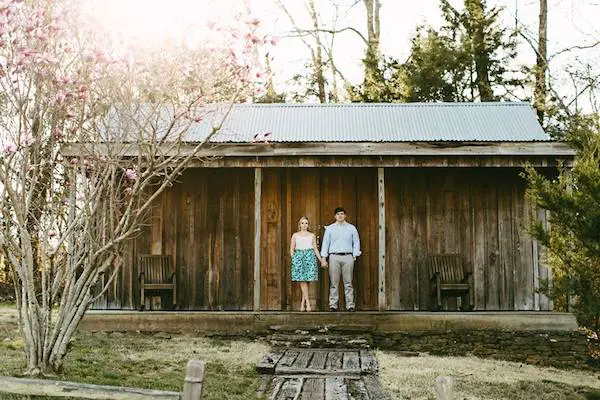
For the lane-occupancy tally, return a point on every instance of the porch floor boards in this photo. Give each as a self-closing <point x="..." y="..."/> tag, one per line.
<point x="240" y="322"/>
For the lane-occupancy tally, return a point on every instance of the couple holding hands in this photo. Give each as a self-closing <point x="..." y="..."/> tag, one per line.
<point x="341" y="245"/>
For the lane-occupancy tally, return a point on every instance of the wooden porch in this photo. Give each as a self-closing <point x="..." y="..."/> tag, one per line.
<point x="227" y="231"/>
<point x="243" y="323"/>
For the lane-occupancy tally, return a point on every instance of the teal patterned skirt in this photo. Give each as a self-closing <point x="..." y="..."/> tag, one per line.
<point x="304" y="266"/>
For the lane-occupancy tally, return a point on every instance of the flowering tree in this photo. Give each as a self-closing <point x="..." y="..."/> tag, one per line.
<point x="88" y="143"/>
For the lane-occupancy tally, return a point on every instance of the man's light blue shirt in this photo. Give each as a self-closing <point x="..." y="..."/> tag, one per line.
<point x="340" y="238"/>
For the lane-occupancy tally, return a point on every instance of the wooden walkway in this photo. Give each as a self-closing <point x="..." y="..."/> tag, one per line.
<point x="321" y="374"/>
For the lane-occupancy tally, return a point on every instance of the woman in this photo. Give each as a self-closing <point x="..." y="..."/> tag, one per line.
<point x="304" y="253"/>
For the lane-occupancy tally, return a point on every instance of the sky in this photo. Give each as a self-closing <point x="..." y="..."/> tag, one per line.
<point x="570" y="22"/>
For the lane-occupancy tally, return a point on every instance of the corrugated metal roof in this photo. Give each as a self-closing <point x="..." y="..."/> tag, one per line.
<point x="369" y="122"/>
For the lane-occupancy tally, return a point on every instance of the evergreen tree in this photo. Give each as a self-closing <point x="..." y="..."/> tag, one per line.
<point x="573" y="239"/>
<point x="467" y="59"/>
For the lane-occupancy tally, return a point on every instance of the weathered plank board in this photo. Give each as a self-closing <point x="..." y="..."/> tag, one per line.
<point x="257" y="237"/>
<point x="334" y="360"/>
<point x="37" y="387"/>
<point x="287" y="360"/>
<point x="381" y="289"/>
<point x="290" y="389"/>
<point x="303" y="359"/>
<point x="313" y="389"/>
<point x="268" y="362"/>
<point x="368" y="363"/>
<point x="351" y="360"/>
<point x="272" y="247"/>
<point x="318" y="360"/>
<point x="335" y="389"/>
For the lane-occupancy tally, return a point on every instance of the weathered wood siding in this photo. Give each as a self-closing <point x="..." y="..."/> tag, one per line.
<point x="288" y="194"/>
<point x="206" y="221"/>
<point x="480" y="213"/>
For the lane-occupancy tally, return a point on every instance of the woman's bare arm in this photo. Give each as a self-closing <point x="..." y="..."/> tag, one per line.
<point x="292" y="245"/>
<point x="315" y="248"/>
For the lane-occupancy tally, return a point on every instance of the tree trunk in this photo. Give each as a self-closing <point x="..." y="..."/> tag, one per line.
<point x="318" y="53"/>
<point x="541" y="65"/>
<point x="476" y="11"/>
<point x="372" y="56"/>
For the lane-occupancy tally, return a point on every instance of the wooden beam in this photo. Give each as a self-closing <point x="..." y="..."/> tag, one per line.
<point x="381" y="202"/>
<point x="300" y="149"/>
<point x="42" y="387"/>
<point x="404" y="161"/>
<point x="257" y="232"/>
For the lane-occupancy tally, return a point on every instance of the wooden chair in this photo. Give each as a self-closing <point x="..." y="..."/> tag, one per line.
<point x="156" y="274"/>
<point x="449" y="278"/>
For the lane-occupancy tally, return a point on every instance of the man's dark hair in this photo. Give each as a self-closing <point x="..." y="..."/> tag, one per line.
<point x="338" y="209"/>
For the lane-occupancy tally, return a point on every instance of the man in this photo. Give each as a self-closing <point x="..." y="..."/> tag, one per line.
<point x="342" y="245"/>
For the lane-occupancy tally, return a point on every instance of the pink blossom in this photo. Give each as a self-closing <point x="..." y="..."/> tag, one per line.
<point x="252" y="38"/>
<point x="51" y="233"/>
<point x="10" y="148"/>
<point x="275" y="40"/>
<point x="131" y="174"/>
<point x="253" y="21"/>
<point x="128" y="191"/>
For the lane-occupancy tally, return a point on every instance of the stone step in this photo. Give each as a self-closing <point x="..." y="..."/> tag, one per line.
<point x="306" y="339"/>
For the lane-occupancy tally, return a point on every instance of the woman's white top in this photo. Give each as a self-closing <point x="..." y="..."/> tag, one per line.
<point x="303" y="242"/>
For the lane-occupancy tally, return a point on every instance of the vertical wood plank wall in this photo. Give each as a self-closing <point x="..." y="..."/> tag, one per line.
<point x="480" y="213"/>
<point x="289" y="194"/>
<point x="207" y="222"/>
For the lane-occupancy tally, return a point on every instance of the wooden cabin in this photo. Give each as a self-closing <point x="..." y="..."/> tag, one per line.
<point x="415" y="179"/>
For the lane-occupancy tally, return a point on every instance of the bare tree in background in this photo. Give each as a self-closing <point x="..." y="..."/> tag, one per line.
<point x="541" y="65"/>
<point x="319" y="39"/>
<point x="372" y="58"/>
<point x="560" y="91"/>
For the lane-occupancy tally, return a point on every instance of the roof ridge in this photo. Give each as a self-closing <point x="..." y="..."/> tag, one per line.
<point x="416" y="104"/>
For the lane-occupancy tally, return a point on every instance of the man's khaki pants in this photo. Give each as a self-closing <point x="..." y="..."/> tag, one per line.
<point x="344" y="266"/>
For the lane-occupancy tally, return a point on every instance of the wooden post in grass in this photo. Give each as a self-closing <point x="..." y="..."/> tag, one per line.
<point x="194" y="377"/>
<point x="444" y="388"/>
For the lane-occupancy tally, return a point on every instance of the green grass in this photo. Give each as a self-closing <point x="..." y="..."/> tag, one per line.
<point x="483" y="379"/>
<point x="147" y="361"/>
<point x="157" y="361"/>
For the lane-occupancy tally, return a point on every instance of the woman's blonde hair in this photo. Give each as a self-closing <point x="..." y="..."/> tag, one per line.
<point x="300" y="221"/>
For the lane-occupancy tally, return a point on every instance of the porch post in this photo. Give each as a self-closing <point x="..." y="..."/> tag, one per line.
<point x="381" y="258"/>
<point x="257" y="231"/>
